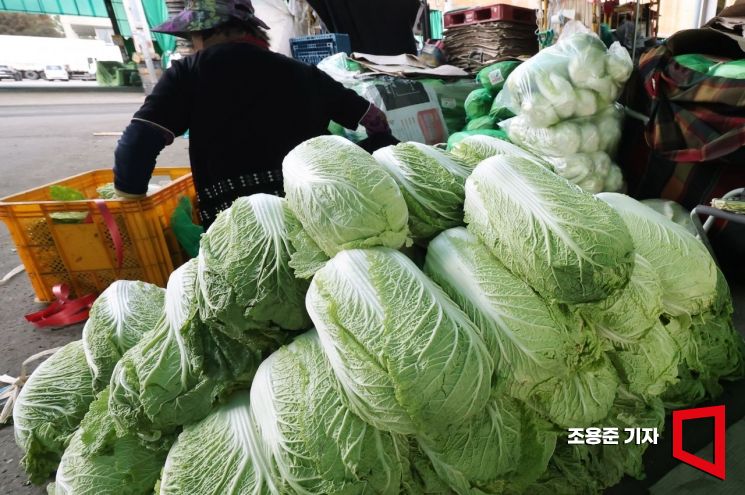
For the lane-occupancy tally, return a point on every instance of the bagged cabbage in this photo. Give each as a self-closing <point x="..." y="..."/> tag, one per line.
<point x="478" y="103"/>
<point x="492" y="77"/>
<point x="245" y="284"/>
<point x="687" y="272"/>
<point x="593" y="172"/>
<point x="432" y="183"/>
<point x="318" y="445"/>
<point x="500" y="109"/>
<point x="576" y="77"/>
<point x="223" y="453"/>
<point x="600" y="132"/>
<point x="97" y="462"/>
<point x="408" y="360"/>
<point x="175" y="374"/>
<point x="49" y="409"/>
<point x="567" y="245"/>
<point x="531" y="342"/>
<point x="121" y="315"/>
<point x="505" y="445"/>
<point x="475" y="149"/>
<point x="342" y="199"/>
<point x="481" y="123"/>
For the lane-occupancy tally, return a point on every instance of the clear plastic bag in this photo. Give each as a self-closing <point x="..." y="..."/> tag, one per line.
<point x="594" y="172"/>
<point x="576" y="77"/>
<point x="600" y="132"/>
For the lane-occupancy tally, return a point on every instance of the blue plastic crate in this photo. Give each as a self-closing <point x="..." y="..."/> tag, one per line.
<point x="313" y="49"/>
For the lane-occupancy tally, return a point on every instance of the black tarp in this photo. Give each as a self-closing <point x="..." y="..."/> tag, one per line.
<point x="377" y="27"/>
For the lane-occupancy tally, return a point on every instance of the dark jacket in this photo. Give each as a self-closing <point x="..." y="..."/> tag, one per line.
<point x="245" y="108"/>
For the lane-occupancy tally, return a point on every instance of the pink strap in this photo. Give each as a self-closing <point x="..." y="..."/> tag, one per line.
<point x="113" y="228"/>
<point x="64" y="311"/>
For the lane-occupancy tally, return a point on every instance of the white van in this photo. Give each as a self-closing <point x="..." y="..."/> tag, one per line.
<point x="56" y="73"/>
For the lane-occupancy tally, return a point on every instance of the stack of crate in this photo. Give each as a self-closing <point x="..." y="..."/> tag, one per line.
<point x="477" y="37"/>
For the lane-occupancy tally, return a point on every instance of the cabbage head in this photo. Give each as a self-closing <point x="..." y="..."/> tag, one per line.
<point x="174" y="375"/>
<point x="222" y="453"/>
<point x="97" y="462"/>
<point x="626" y="316"/>
<point x="649" y="367"/>
<point x="504" y="445"/>
<point x="406" y="357"/>
<point x="432" y="183"/>
<point x="342" y="198"/>
<point x="590" y="469"/>
<point x="119" y="318"/>
<point x="49" y="409"/>
<point x="531" y="342"/>
<point x="475" y="149"/>
<point x="568" y="246"/>
<point x="687" y="272"/>
<point x="319" y="446"/>
<point x="244" y="279"/>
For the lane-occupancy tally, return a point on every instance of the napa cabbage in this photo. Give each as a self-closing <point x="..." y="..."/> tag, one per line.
<point x="407" y="358"/>
<point x="567" y="245"/>
<point x="432" y="183"/>
<point x="121" y="315"/>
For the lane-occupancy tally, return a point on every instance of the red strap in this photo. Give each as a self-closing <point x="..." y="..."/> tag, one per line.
<point x="64" y="311"/>
<point x="113" y="228"/>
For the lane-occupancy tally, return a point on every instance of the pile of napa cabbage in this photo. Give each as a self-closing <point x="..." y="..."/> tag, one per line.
<point x="532" y="308"/>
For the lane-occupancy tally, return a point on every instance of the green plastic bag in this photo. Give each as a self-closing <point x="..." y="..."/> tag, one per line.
<point x="460" y="136"/>
<point x="187" y="232"/>
<point x="499" y="110"/>
<point x="452" y="95"/>
<point x="732" y="70"/>
<point x="697" y="62"/>
<point x="478" y="104"/>
<point x="481" y="123"/>
<point x="492" y="77"/>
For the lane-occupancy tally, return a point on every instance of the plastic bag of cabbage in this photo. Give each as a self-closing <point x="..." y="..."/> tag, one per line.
<point x="574" y="78"/>
<point x="578" y="149"/>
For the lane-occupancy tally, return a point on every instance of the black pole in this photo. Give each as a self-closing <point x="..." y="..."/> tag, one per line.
<point x="115" y="26"/>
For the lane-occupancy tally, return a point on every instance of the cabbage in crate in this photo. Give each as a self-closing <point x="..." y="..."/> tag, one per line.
<point x="246" y="286"/>
<point x="342" y="199"/>
<point x="318" y="445"/>
<point x="407" y="358"/>
<point x="432" y="182"/>
<point x="173" y="376"/>
<point x="121" y="315"/>
<point x="49" y="409"/>
<point x="567" y="245"/>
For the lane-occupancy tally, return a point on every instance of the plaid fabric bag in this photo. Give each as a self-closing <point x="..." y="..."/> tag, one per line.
<point x="693" y="147"/>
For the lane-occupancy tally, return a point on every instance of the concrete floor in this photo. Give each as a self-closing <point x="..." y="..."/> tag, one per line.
<point x="46" y="136"/>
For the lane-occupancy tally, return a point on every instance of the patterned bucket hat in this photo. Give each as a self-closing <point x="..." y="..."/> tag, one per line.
<point x="199" y="15"/>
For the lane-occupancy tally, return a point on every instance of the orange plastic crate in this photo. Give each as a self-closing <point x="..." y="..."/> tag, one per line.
<point x="83" y="255"/>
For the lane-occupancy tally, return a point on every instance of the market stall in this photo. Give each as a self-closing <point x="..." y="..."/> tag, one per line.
<point x="480" y="308"/>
